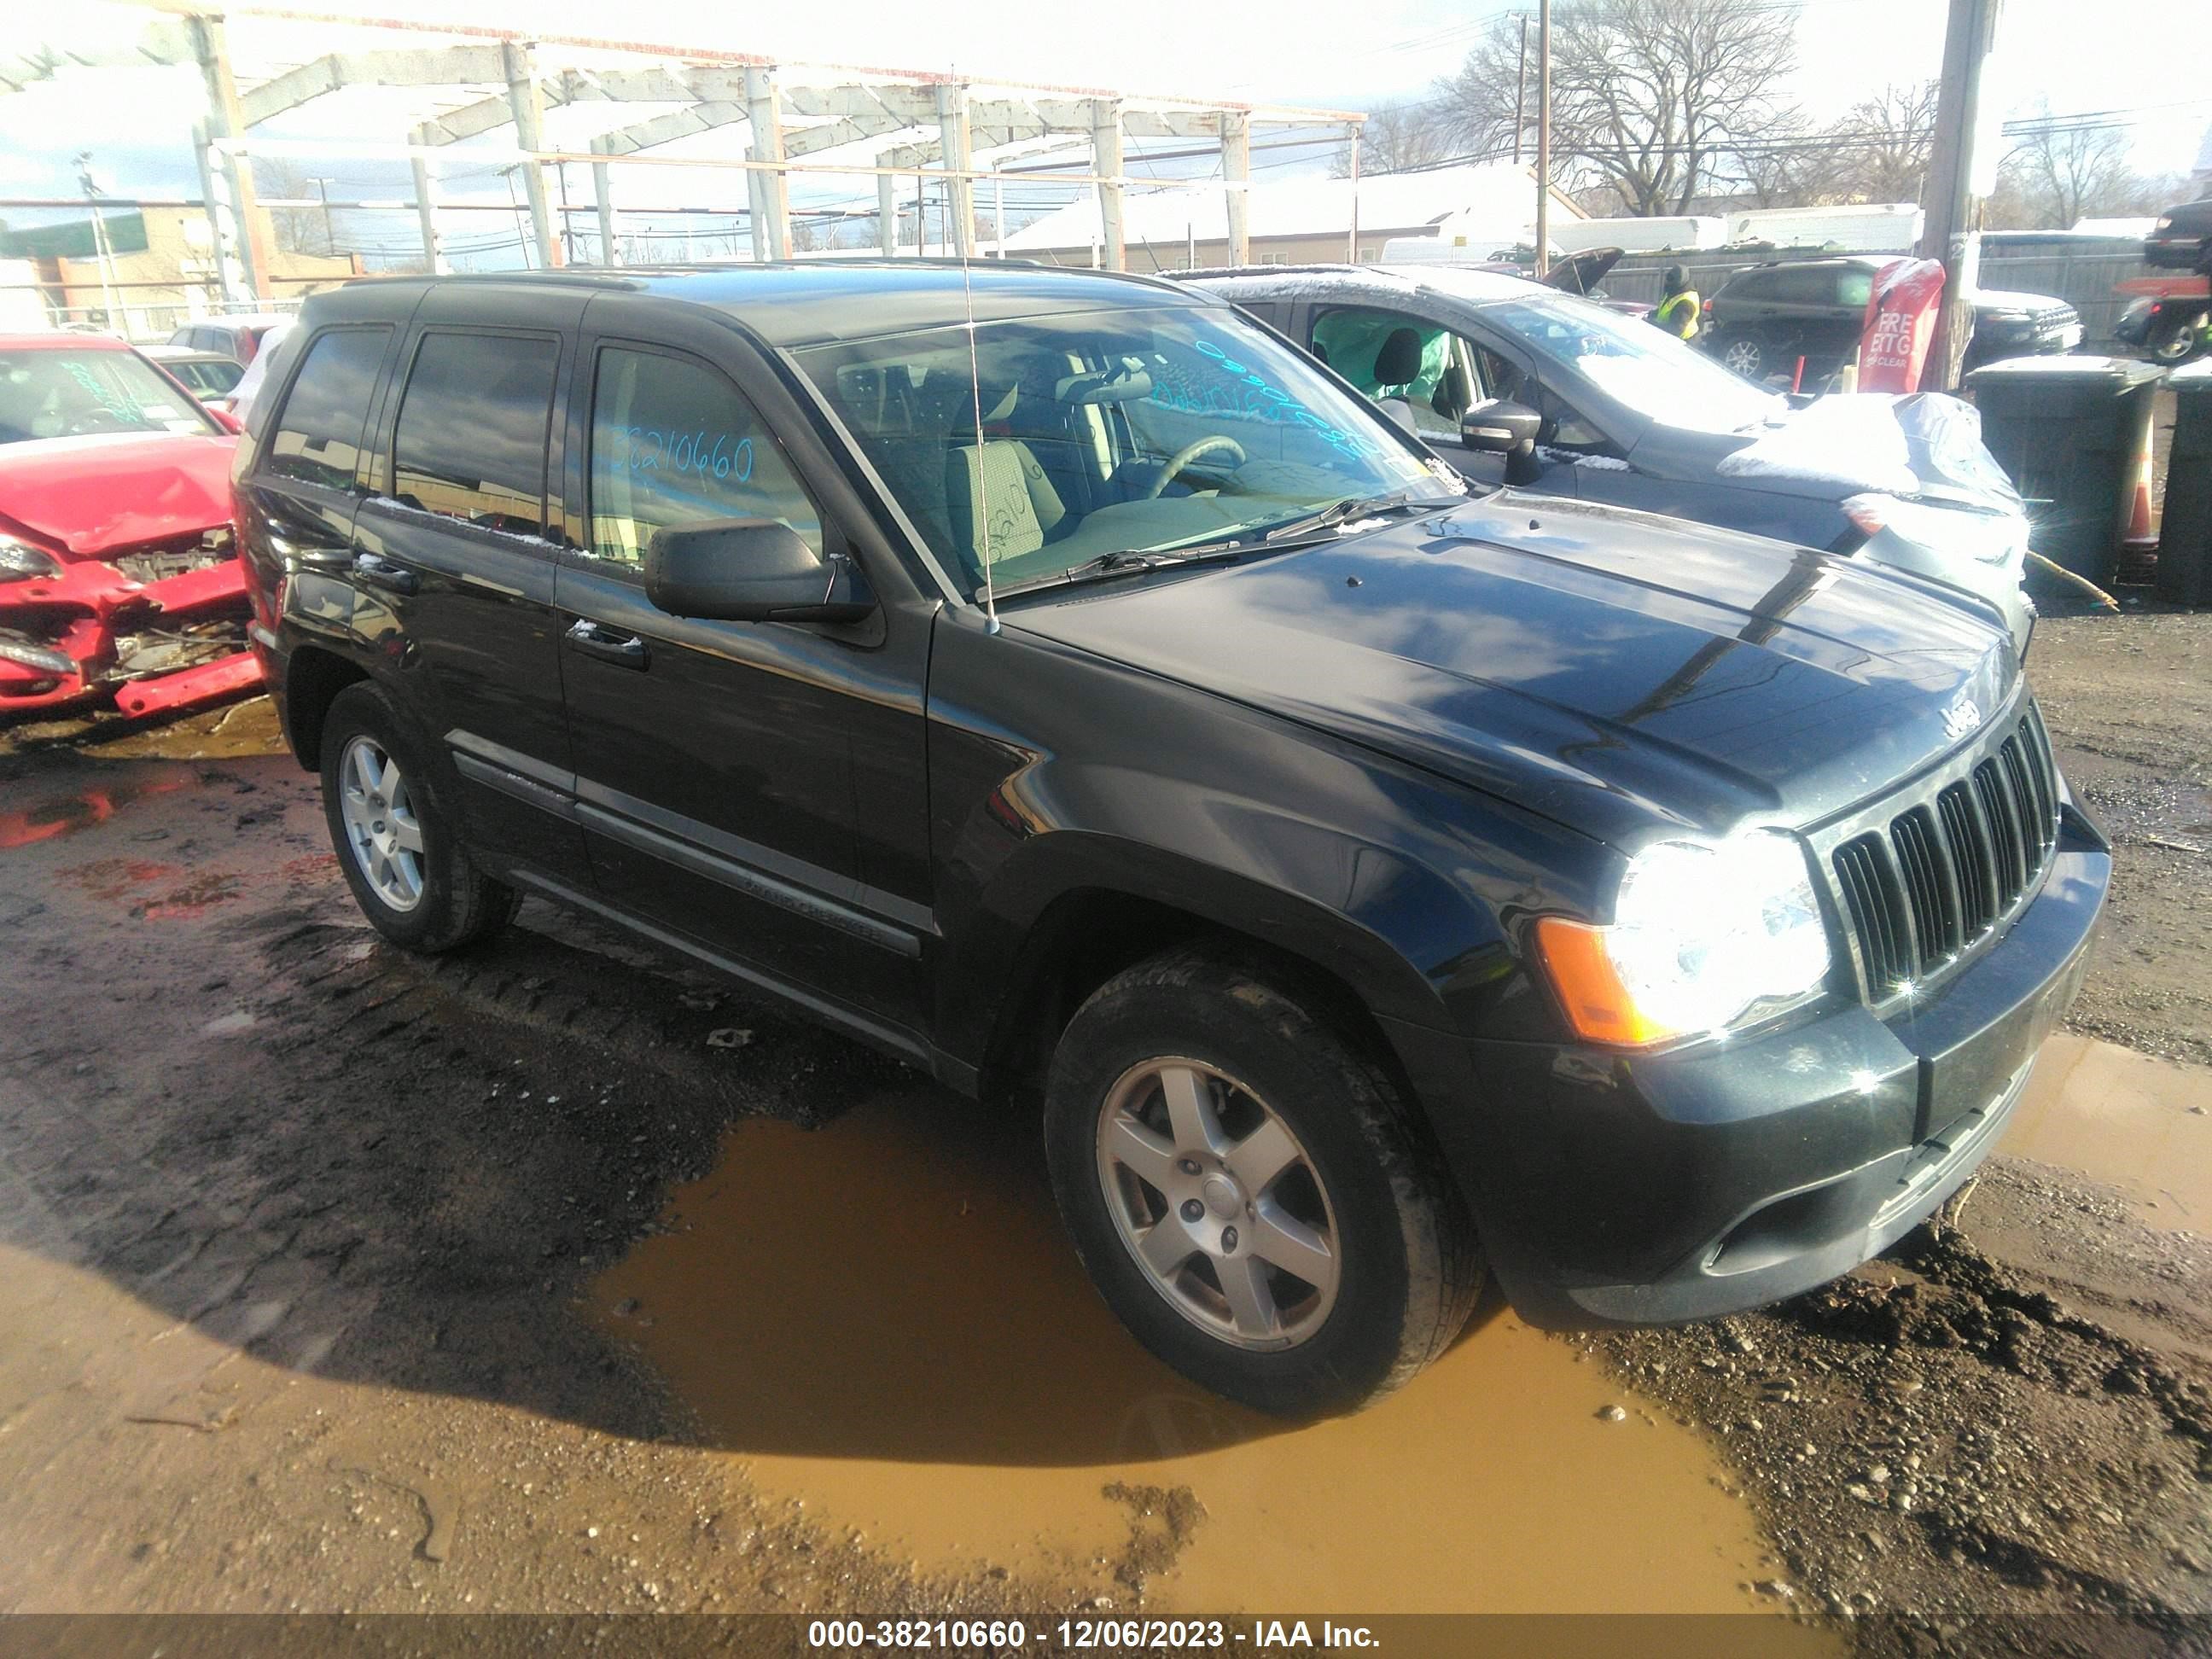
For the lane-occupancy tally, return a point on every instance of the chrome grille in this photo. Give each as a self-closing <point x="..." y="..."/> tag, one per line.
<point x="1924" y="888"/>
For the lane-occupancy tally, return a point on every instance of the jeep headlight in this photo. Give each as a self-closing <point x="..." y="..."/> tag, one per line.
<point x="20" y="562"/>
<point x="1701" y="933"/>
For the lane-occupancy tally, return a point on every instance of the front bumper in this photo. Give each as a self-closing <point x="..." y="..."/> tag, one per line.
<point x="1653" y="1190"/>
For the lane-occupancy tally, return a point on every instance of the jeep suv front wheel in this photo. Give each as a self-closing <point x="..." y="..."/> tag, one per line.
<point x="1249" y="1191"/>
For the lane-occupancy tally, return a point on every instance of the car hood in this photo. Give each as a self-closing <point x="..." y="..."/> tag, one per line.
<point x="1619" y="672"/>
<point x="1921" y="445"/>
<point x="2005" y="299"/>
<point x="93" y="495"/>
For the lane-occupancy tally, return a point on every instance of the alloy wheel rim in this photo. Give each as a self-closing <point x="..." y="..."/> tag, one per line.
<point x="1218" y="1204"/>
<point x="1742" y="356"/>
<point x="381" y="830"/>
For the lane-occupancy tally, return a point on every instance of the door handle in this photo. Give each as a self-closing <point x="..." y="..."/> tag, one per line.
<point x="307" y="555"/>
<point x="379" y="572"/>
<point x="623" y="650"/>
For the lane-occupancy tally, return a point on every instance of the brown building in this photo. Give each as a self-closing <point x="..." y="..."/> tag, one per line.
<point x="150" y="270"/>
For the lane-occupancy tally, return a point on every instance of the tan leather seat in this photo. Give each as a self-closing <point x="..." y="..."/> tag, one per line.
<point x="1004" y="476"/>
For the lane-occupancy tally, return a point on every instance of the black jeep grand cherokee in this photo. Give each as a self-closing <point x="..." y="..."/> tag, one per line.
<point x="1100" y="699"/>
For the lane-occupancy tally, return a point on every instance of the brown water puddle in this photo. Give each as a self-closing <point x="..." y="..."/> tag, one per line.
<point x="2125" y="1119"/>
<point x="882" y="1318"/>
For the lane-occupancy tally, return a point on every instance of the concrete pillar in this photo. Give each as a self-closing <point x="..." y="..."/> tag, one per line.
<point x="757" y="208"/>
<point x="1106" y="162"/>
<point x="764" y="109"/>
<point x="603" y="199"/>
<point x="426" y="207"/>
<point x="959" y="191"/>
<point x="229" y="272"/>
<point x="886" y="210"/>
<point x="248" y="237"/>
<point x="1237" y="177"/>
<point x="529" y="134"/>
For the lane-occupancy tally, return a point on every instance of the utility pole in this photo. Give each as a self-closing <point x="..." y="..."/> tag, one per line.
<point x="329" y="235"/>
<point x="1543" y="139"/>
<point x="103" y="259"/>
<point x="1351" y="241"/>
<point x="1952" y="231"/>
<point x="1520" y="92"/>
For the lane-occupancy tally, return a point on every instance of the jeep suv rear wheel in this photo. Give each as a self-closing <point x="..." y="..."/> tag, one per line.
<point x="1249" y="1192"/>
<point x="395" y="841"/>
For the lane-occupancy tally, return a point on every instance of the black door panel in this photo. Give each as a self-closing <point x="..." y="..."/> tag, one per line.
<point x="717" y="780"/>
<point x="451" y="541"/>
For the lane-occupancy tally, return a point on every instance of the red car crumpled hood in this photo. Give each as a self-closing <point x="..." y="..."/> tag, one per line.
<point x="94" y="495"/>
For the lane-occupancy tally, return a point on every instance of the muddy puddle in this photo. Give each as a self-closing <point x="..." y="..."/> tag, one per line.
<point x="2131" y="1122"/>
<point x="881" y="1319"/>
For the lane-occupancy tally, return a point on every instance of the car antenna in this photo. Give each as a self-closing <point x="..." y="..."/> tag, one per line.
<point x="966" y="235"/>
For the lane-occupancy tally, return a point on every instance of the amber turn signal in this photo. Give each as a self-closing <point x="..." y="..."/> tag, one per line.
<point x="1598" y="1004"/>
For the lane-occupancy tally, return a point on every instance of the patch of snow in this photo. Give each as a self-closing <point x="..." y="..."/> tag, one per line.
<point x="1851" y="440"/>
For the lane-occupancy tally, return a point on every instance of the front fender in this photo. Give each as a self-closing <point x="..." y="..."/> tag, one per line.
<point x="1410" y="890"/>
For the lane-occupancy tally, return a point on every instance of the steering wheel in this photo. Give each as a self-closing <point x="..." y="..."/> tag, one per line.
<point x="1183" y="456"/>
<point x="96" y="418"/>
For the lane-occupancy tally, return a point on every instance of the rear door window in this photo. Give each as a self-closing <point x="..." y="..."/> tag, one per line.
<point x="673" y="442"/>
<point x="318" y="438"/>
<point x="473" y="429"/>
<point x="1809" y="286"/>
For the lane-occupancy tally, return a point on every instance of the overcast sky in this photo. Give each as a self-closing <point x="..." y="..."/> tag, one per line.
<point x="2130" y="54"/>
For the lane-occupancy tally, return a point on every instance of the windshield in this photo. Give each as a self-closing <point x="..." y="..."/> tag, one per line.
<point x="66" y="394"/>
<point x="1647" y="369"/>
<point x="1108" y="432"/>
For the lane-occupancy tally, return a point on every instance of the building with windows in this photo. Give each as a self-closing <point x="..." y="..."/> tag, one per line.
<point x="146" y="272"/>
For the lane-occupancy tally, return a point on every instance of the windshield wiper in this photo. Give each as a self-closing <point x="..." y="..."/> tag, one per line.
<point x="1337" y="513"/>
<point x="1117" y="563"/>
<point x="1276" y="538"/>
<point x="1295" y="532"/>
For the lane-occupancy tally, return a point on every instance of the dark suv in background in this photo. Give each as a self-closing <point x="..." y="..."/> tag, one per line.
<point x="1082" y="695"/>
<point x="2181" y="240"/>
<point x="1761" y="320"/>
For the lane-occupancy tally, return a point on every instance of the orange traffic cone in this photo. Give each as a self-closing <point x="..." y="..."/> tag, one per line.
<point x="2140" y="535"/>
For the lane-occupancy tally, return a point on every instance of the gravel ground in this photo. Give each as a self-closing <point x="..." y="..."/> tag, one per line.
<point x="293" y="1247"/>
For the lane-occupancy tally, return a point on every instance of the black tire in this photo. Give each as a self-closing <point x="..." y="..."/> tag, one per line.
<point x="2175" y="342"/>
<point x="459" y="903"/>
<point x="1409" y="1268"/>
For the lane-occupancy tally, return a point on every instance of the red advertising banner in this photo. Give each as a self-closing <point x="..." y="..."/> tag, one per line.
<point x="1900" y="319"/>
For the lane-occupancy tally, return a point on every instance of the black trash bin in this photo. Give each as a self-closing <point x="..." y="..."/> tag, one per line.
<point x="2072" y="432"/>
<point x="2184" y="538"/>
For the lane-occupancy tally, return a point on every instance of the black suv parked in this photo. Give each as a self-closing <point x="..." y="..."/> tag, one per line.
<point x="1099" y="699"/>
<point x="1761" y="320"/>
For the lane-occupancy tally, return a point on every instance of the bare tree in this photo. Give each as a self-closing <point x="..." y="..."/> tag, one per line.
<point x="1647" y="98"/>
<point x="1787" y="166"/>
<point x="297" y="229"/>
<point x="2060" y="171"/>
<point x="1399" y="137"/>
<point x="1882" y="145"/>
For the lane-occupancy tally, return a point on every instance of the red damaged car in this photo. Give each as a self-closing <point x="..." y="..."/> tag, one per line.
<point x="116" y="571"/>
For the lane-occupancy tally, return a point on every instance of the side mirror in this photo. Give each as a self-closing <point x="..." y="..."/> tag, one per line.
<point x="751" y="570"/>
<point x="225" y="418"/>
<point x="1499" y="427"/>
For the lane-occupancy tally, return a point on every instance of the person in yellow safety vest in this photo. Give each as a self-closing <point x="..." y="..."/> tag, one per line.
<point x="1678" y="312"/>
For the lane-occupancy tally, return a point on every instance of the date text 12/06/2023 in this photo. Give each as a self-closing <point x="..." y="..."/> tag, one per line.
<point x="1257" y="1635"/>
